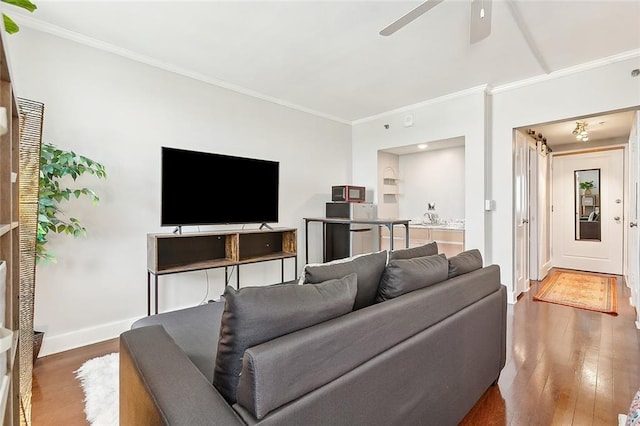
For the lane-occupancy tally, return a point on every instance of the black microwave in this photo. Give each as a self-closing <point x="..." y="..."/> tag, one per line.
<point x="348" y="193"/>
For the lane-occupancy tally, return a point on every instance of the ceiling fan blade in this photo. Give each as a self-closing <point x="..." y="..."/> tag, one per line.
<point x="405" y="19"/>
<point x="480" y="27"/>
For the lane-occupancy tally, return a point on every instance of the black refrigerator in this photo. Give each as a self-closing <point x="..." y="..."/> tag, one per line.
<point x="346" y="240"/>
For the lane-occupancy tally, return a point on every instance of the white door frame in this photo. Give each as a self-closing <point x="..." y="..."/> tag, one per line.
<point x="604" y="255"/>
<point x="632" y="258"/>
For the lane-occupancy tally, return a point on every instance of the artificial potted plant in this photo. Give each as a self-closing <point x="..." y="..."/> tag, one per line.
<point x="55" y="166"/>
<point x="586" y="186"/>
<point x="9" y="25"/>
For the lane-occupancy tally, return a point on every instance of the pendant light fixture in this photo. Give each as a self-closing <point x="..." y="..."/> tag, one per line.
<point x="580" y="132"/>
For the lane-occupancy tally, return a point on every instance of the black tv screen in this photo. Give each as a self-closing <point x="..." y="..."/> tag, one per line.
<point x="201" y="188"/>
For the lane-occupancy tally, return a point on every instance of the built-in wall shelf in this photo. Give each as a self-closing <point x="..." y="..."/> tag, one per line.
<point x="175" y="253"/>
<point x="390" y="189"/>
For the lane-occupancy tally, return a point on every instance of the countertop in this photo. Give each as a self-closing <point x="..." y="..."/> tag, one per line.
<point x="444" y="226"/>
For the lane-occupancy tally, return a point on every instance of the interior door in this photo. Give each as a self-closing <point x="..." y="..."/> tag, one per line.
<point x="633" y="253"/>
<point x="534" y="215"/>
<point x="521" y="213"/>
<point x="577" y="243"/>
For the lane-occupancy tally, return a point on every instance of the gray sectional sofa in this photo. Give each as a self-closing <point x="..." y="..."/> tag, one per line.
<point x="407" y="337"/>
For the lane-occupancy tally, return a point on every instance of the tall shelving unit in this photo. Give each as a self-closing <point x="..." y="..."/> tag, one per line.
<point x="9" y="246"/>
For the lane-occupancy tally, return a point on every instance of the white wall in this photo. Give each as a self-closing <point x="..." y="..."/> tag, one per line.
<point x="120" y="112"/>
<point x="596" y="88"/>
<point x="604" y="88"/>
<point x="433" y="177"/>
<point x="451" y="117"/>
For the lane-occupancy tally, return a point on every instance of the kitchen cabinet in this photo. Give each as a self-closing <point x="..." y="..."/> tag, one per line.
<point x="450" y="240"/>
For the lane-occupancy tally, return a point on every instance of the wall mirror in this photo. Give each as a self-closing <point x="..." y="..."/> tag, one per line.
<point x="587" y="204"/>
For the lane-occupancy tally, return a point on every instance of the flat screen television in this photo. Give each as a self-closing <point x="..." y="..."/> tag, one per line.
<point x="201" y="188"/>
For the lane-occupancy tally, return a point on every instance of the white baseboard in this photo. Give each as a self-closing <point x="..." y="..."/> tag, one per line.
<point x="86" y="336"/>
<point x="544" y="270"/>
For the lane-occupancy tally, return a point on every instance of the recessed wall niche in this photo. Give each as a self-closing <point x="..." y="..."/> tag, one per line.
<point x="409" y="178"/>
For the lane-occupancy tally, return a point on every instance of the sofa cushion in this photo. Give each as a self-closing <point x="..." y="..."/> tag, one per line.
<point x="404" y="275"/>
<point x="428" y="249"/>
<point x="465" y="262"/>
<point x="368" y="267"/>
<point x="253" y="315"/>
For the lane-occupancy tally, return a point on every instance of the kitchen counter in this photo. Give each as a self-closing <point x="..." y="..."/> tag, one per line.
<point x="451" y="226"/>
<point x="449" y="237"/>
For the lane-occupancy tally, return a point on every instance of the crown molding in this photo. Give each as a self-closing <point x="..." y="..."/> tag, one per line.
<point x="57" y="31"/>
<point x="632" y="54"/>
<point x="450" y="96"/>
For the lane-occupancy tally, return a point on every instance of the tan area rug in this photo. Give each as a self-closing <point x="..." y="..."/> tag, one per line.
<point x="580" y="290"/>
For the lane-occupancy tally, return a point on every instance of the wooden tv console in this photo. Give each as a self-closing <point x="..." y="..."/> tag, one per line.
<point x="174" y="253"/>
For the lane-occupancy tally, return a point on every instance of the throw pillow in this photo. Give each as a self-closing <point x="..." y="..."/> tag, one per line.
<point x="332" y="262"/>
<point x="404" y="275"/>
<point x="465" y="262"/>
<point x="254" y="315"/>
<point x="428" y="249"/>
<point x="368" y="267"/>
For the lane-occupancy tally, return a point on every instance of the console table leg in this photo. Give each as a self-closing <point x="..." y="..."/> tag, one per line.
<point x="324" y="242"/>
<point x="156" y="295"/>
<point x="406" y="235"/>
<point x="306" y="241"/>
<point x="148" y="293"/>
<point x="282" y="270"/>
<point x="237" y="277"/>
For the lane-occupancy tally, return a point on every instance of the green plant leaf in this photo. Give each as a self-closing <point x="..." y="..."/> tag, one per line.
<point x="9" y="25"/>
<point x="24" y="4"/>
<point x="55" y="165"/>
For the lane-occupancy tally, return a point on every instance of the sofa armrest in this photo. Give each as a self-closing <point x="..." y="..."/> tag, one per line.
<point x="159" y="385"/>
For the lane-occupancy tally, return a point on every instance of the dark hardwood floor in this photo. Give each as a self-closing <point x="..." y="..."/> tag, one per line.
<point x="57" y="396"/>
<point x="565" y="366"/>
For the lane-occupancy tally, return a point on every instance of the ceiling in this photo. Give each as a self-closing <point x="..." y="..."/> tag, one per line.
<point x="327" y="57"/>
<point x="608" y="128"/>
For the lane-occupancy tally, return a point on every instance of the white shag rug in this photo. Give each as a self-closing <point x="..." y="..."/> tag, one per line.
<point x="99" y="380"/>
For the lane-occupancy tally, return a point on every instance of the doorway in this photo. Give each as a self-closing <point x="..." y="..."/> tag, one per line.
<point x="555" y="139"/>
<point x="588" y="209"/>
